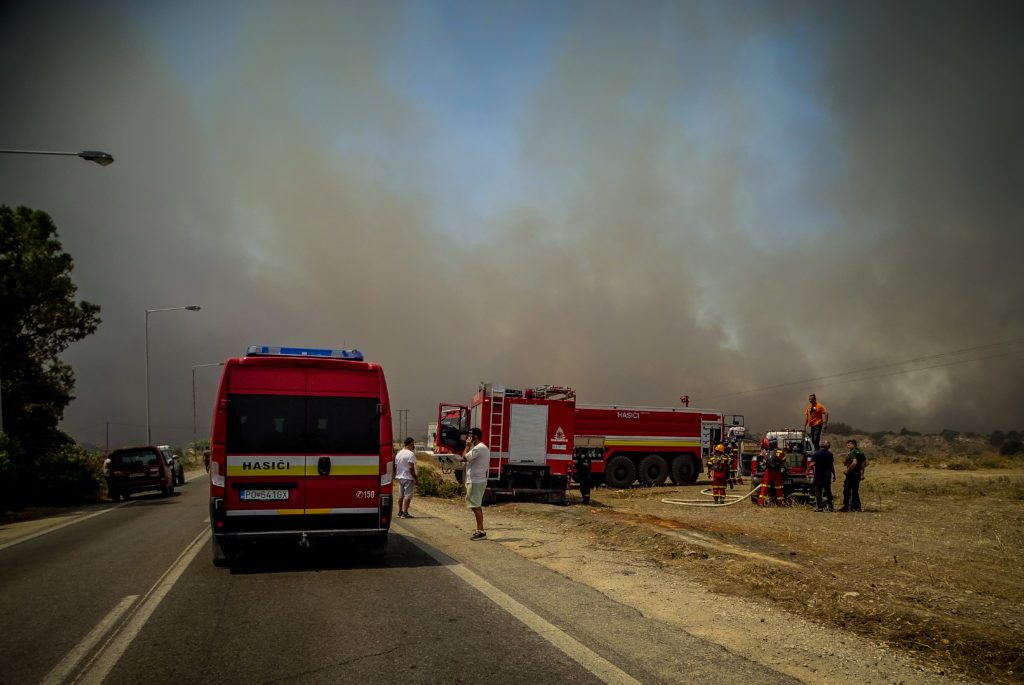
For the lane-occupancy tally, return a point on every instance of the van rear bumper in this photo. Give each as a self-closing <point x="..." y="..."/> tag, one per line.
<point x="297" y="533"/>
<point x="227" y="526"/>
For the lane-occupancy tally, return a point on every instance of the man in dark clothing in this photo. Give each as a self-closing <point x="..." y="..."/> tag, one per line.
<point x="855" y="464"/>
<point x="581" y="474"/>
<point x="824" y="475"/>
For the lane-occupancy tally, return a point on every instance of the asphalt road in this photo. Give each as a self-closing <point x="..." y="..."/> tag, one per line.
<point x="131" y="596"/>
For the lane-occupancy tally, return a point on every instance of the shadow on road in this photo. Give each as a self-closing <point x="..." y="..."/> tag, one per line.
<point x="326" y="555"/>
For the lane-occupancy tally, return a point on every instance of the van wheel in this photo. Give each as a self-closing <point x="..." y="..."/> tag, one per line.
<point x="223" y="555"/>
<point x="620" y="472"/>
<point x="653" y="470"/>
<point x="377" y="548"/>
<point x="684" y="470"/>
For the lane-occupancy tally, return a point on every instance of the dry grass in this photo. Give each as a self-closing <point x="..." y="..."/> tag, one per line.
<point x="935" y="560"/>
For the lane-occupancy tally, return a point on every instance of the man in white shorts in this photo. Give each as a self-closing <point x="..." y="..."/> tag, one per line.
<point x="405" y="474"/>
<point x="478" y="462"/>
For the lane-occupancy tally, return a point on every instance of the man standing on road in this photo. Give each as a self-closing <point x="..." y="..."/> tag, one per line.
<point x="815" y="416"/>
<point x="405" y="474"/>
<point x="477" y="459"/>
<point x="824" y="475"/>
<point x="855" y="464"/>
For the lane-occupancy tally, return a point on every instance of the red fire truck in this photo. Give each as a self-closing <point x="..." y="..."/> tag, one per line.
<point x="534" y="435"/>
<point x="650" y="444"/>
<point x="529" y="433"/>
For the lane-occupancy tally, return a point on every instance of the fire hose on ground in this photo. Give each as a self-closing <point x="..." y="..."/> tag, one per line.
<point x="705" y="503"/>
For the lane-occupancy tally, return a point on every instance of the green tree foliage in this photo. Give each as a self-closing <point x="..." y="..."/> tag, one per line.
<point x="39" y="319"/>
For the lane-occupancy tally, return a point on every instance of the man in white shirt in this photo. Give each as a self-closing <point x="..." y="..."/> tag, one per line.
<point x="477" y="459"/>
<point x="405" y="474"/>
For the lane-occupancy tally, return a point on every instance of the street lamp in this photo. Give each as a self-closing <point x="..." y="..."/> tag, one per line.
<point x="191" y="308"/>
<point x="195" y="430"/>
<point x="101" y="158"/>
<point x="98" y="156"/>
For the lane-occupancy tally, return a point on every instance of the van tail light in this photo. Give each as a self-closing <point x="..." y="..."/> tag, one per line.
<point x="385" y="510"/>
<point x="217" y="480"/>
<point x="388" y="474"/>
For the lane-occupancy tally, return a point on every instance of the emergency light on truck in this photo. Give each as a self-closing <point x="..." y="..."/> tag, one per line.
<point x="268" y="351"/>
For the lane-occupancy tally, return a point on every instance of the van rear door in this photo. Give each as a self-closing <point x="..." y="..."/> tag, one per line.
<point x="265" y="446"/>
<point x="343" y="462"/>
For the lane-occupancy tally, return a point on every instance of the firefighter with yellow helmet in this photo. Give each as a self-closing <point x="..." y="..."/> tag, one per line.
<point x="772" y="478"/>
<point x="718" y="468"/>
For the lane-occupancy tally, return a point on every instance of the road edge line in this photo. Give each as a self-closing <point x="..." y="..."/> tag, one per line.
<point x="103" y="662"/>
<point x="593" y="662"/>
<point x="66" y="665"/>
<point x="44" y="531"/>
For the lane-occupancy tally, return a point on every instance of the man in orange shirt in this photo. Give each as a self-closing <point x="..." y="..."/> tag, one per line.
<point x="815" y="416"/>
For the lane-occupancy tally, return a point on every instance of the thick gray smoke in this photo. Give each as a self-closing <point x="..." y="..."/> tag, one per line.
<point x="707" y="200"/>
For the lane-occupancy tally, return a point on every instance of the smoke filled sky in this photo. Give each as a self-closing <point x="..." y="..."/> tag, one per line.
<point x="642" y="200"/>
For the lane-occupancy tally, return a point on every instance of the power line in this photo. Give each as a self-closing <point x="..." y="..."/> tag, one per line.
<point x="880" y="367"/>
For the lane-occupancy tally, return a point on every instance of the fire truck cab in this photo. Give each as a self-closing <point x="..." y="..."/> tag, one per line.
<point x="530" y="434"/>
<point x="301" y="449"/>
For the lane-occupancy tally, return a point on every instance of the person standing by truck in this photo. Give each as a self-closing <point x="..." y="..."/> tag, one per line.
<point x="718" y="469"/>
<point x="816" y="417"/>
<point x="581" y="473"/>
<point x="824" y="476"/>
<point x="855" y="465"/>
<point x="477" y="459"/>
<point x="772" y="478"/>
<point x="405" y="474"/>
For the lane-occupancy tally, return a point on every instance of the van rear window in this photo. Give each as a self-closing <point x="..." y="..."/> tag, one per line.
<point x="128" y="459"/>
<point x="290" y="424"/>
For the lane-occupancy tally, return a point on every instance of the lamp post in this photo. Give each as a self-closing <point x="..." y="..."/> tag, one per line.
<point x="195" y="429"/>
<point x="98" y="156"/>
<point x="101" y="158"/>
<point x="191" y="308"/>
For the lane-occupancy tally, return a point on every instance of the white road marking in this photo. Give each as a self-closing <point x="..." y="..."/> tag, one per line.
<point x="63" y="669"/>
<point x="100" y="666"/>
<point x="44" y="531"/>
<point x="574" y="649"/>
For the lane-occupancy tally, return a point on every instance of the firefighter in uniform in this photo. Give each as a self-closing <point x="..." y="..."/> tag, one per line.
<point x="718" y="469"/>
<point x="581" y="472"/>
<point x="772" y="478"/>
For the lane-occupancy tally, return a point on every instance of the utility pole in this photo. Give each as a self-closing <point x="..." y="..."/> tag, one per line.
<point x="107" y="436"/>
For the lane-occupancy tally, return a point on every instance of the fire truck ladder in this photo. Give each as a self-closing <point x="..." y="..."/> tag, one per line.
<point x="497" y="423"/>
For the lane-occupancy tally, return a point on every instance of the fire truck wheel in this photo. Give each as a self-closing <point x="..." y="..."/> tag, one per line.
<point x="684" y="470"/>
<point x="653" y="470"/>
<point x="620" y="472"/>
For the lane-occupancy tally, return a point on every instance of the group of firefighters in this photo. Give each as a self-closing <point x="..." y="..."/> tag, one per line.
<point x="721" y="466"/>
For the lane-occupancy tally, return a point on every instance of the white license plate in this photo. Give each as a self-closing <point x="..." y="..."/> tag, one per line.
<point x="264" y="495"/>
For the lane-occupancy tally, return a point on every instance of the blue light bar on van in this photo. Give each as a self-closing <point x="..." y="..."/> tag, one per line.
<point x="268" y="351"/>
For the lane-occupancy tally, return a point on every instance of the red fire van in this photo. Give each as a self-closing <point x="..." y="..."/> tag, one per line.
<point x="301" y="448"/>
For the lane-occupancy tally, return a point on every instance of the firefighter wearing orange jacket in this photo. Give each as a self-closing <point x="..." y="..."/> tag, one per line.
<point x="718" y="469"/>
<point x="772" y="478"/>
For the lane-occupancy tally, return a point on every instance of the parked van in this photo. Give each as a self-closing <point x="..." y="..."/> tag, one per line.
<point x="137" y="469"/>
<point x="301" y="449"/>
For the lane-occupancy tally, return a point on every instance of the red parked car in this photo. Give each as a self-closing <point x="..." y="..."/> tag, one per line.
<point x="137" y="469"/>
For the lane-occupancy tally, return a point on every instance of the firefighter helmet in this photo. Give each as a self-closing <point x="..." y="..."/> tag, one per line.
<point x="720" y="448"/>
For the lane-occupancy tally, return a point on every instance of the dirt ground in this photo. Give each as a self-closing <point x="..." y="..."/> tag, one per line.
<point x="924" y="584"/>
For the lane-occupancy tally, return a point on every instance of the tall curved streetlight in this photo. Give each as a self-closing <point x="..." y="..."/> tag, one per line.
<point x="191" y="308"/>
<point x="98" y="156"/>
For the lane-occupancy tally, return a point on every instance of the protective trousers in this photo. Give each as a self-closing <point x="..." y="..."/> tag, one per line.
<point x="772" y="479"/>
<point x="719" y="479"/>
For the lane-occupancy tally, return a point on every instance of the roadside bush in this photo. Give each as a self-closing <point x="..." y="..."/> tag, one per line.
<point x="949" y="435"/>
<point x="994" y="463"/>
<point x="70" y="475"/>
<point x="995" y="438"/>
<point x="1010" y="448"/>
<point x="959" y="465"/>
<point x="430" y="483"/>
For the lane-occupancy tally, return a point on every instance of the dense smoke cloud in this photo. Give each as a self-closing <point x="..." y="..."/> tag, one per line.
<point x="707" y="200"/>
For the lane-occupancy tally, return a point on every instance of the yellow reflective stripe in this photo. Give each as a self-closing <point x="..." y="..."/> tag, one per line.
<point x="290" y="512"/>
<point x="651" y="443"/>
<point x="345" y="470"/>
<point x="318" y="511"/>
